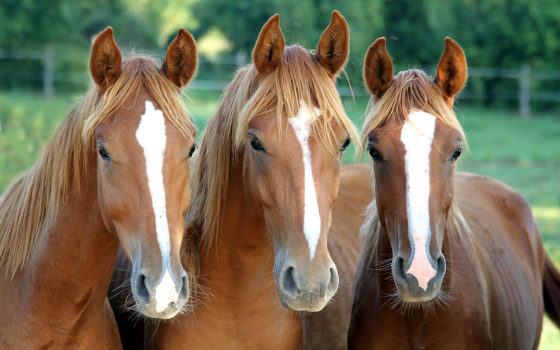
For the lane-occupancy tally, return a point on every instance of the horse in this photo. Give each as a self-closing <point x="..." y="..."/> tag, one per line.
<point x="116" y="171"/>
<point x="449" y="260"/>
<point x="263" y="187"/>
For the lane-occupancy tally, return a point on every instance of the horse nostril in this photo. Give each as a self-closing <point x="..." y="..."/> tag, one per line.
<point x="141" y="288"/>
<point x="185" y="287"/>
<point x="333" y="282"/>
<point x="440" y="264"/>
<point x="400" y="277"/>
<point x="288" y="283"/>
<point x="399" y="267"/>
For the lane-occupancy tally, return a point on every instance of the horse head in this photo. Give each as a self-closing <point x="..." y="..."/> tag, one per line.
<point x="144" y="139"/>
<point x="414" y="140"/>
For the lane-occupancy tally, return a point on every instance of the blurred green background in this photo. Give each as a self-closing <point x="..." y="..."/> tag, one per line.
<point x="510" y="108"/>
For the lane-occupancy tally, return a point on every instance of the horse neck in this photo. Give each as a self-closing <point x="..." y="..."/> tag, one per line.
<point x="242" y="250"/>
<point x="237" y="269"/>
<point x="75" y="242"/>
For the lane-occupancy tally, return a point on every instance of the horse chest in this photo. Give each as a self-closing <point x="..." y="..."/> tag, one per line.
<point x="241" y="311"/>
<point x="60" y="331"/>
<point x="42" y="318"/>
<point x="414" y="331"/>
<point x="224" y="330"/>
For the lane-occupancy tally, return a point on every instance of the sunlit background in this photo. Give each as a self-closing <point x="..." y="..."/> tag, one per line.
<point x="510" y="108"/>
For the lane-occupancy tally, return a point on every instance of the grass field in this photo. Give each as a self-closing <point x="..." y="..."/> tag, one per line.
<point x="523" y="153"/>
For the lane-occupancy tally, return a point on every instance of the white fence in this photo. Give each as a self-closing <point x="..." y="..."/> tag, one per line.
<point x="47" y="58"/>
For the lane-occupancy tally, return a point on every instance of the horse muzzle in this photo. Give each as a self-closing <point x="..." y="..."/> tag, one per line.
<point x="416" y="288"/>
<point x="160" y="297"/>
<point x="301" y="290"/>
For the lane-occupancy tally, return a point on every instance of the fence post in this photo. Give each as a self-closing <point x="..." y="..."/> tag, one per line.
<point x="48" y="71"/>
<point x="525" y="91"/>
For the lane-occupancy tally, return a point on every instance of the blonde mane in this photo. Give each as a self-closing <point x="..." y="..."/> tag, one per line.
<point x="299" y="78"/>
<point x="33" y="202"/>
<point x="411" y="90"/>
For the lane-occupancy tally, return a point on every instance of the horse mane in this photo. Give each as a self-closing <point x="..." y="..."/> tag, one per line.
<point x="33" y="201"/>
<point x="299" y="79"/>
<point x="411" y="90"/>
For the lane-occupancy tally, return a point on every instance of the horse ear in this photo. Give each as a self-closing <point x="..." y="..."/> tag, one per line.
<point x="105" y="59"/>
<point x="332" y="50"/>
<point x="378" y="68"/>
<point x="269" y="48"/>
<point x="180" y="60"/>
<point x="452" y="70"/>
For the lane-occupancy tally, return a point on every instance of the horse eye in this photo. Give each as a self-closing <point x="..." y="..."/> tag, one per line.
<point x="456" y="154"/>
<point x="345" y="145"/>
<point x="257" y="145"/>
<point x="374" y="153"/>
<point x="193" y="148"/>
<point x="104" y="154"/>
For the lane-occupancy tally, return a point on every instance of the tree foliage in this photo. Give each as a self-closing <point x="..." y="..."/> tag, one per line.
<point x="494" y="33"/>
<point x="70" y="23"/>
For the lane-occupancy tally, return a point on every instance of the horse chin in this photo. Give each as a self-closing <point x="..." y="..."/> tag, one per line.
<point x="307" y="302"/>
<point x="149" y="310"/>
<point x="419" y="298"/>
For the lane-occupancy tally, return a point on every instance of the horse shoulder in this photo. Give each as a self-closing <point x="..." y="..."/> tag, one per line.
<point x="506" y="208"/>
<point x="510" y="255"/>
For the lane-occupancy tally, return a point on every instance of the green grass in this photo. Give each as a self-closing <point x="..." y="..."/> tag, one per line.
<point x="525" y="154"/>
<point x="522" y="153"/>
<point x="28" y="122"/>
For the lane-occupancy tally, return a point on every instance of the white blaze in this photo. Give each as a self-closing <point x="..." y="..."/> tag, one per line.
<point x="301" y="124"/>
<point x="165" y="292"/>
<point x="151" y="136"/>
<point x="417" y="135"/>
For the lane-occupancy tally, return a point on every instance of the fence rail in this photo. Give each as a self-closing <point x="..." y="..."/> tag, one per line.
<point x="47" y="57"/>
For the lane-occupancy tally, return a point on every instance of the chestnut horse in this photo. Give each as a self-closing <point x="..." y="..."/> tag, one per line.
<point x="263" y="189"/>
<point x="450" y="261"/>
<point x="116" y="171"/>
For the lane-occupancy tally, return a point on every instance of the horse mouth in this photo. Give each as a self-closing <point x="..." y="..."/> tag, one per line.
<point x="306" y="302"/>
<point x="150" y="311"/>
<point x="413" y="297"/>
<point x="418" y="295"/>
